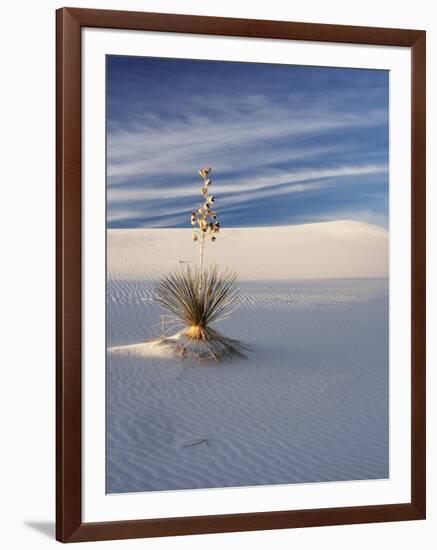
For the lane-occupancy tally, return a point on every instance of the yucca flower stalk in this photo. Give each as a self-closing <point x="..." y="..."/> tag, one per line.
<point x="197" y="298"/>
<point x="204" y="219"/>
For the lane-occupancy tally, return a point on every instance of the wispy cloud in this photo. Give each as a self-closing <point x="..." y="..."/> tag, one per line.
<point x="274" y="132"/>
<point x="276" y="183"/>
<point x="258" y="146"/>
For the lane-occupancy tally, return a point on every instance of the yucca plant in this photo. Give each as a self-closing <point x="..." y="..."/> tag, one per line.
<point x="197" y="298"/>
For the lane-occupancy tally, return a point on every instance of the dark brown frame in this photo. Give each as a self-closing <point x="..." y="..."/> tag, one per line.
<point x="69" y="526"/>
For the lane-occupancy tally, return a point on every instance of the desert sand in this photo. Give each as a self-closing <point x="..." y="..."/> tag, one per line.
<point x="310" y="404"/>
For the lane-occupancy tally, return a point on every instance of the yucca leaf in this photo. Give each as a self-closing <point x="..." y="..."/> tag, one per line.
<point x="198" y="298"/>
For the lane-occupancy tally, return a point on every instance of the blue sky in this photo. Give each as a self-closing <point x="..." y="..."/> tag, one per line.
<point x="287" y="144"/>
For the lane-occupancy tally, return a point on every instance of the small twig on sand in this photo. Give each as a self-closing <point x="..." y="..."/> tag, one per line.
<point x="195" y="442"/>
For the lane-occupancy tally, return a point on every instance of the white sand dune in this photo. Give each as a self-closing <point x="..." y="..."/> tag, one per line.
<point x="339" y="249"/>
<point x="311" y="402"/>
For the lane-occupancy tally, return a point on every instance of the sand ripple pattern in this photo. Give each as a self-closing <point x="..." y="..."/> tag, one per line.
<point x="310" y="405"/>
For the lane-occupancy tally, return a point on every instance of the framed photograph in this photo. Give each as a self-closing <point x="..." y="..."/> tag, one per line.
<point x="240" y="275"/>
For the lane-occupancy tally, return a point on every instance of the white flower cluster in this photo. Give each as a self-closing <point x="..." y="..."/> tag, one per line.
<point x="204" y="221"/>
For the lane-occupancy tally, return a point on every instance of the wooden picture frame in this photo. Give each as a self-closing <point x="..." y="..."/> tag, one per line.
<point x="69" y="524"/>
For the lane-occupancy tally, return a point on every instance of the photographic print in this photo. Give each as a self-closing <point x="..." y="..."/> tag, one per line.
<point x="247" y="288"/>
